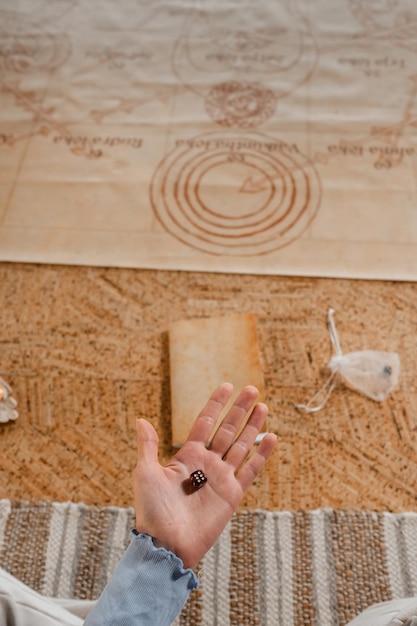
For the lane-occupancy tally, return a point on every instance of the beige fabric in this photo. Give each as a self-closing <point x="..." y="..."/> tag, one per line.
<point x="22" y="606"/>
<point x="402" y="612"/>
<point x="257" y="137"/>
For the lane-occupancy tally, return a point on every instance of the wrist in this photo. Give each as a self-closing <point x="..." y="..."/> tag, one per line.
<point x="169" y="546"/>
<point x="164" y="547"/>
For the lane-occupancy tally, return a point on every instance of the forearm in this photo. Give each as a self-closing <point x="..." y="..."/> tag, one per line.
<point x="149" y="588"/>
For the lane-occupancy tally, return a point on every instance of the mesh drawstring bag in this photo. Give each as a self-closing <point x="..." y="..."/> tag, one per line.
<point x="370" y="372"/>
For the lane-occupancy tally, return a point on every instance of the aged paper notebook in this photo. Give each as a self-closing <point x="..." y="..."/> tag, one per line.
<point x="203" y="354"/>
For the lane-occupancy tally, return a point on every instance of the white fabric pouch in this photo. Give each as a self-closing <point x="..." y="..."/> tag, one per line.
<point x="371" y="372"/>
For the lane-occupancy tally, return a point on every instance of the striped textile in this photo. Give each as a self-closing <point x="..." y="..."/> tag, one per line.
<point x="269" y="568"/>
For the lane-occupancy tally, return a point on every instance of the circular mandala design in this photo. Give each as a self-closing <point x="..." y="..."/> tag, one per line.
<point x="232" y="195"/>
<point x="242" y="105"/>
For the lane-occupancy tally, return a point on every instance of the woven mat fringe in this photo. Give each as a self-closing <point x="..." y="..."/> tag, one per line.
<point x="273" y="568"/>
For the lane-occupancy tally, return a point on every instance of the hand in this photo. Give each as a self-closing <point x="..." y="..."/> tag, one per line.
<point x="185" y="521"/>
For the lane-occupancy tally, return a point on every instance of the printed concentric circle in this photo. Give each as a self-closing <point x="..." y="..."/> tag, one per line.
<point x="233" y="195"/>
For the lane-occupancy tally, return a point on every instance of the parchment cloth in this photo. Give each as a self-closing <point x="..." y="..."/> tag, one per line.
<point x="274" y="137"/>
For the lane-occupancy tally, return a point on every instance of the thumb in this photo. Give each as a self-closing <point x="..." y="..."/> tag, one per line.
<point x="147" y="441"/>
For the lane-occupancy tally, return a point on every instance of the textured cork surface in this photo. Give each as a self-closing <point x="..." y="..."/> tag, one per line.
<point x="86" y="351"/>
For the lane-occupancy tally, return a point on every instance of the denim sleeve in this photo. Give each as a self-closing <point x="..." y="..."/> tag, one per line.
<point x="149" y="588"/>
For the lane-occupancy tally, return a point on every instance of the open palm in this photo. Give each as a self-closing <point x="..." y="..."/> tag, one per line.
<point x="188" y="521"/>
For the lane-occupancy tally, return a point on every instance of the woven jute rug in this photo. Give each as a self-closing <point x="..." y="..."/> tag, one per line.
<point x="269" y="568"/>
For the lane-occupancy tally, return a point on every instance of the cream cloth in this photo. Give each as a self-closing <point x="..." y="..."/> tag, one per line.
<point x="270" y="137"/>
<point x="402" y="612"/>
<point x="22" y="606"/>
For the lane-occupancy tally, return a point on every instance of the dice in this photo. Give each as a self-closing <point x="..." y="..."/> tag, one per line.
<point x="198" y="479"/>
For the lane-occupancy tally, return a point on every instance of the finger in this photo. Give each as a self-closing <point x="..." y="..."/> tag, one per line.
<point x="147" y="441"/>
<point x="239" y="450"/>
<point x="249" y="471"/>
<point x="230" y="426"/>
<point x="207" y="419"/>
